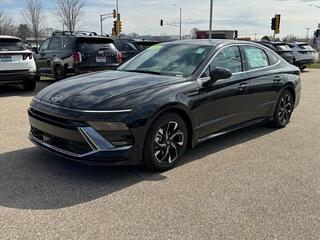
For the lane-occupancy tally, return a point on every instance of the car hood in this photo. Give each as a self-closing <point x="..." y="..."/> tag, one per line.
<point x="97" y="91"/>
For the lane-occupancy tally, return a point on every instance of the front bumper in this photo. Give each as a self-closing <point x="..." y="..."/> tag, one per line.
<point x="77" y="141"/>
<point x="16" y="76"/>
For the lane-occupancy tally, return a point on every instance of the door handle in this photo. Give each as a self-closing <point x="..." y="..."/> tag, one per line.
<point x="277" y="79"/>
<point x="243" y="86"/>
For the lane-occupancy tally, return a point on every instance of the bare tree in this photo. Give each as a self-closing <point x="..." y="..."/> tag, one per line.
<point x="70" y="13"/>
<point x="34" y="18"/>
<point x="6" y="24"/>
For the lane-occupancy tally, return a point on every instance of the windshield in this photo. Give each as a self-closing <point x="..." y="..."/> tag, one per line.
<point x="11" y="45"/>
<point x="168" y="59"/>
<point x="94" y="44"/>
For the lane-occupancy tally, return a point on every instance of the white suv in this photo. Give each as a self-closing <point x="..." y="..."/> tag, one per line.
<point x="17" y="65"/>
<point x="303" y="54"/>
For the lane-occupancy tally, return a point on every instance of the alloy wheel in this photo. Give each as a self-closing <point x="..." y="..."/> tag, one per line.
<point x="168" y="142"/>
<point x="285" y="109"/>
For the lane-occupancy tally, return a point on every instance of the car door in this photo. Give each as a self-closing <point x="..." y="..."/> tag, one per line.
<point x="223" y="104"/>
<point x="41" y="56"/>
<point x="264" y="82"/>
<point x="53" y="53"/>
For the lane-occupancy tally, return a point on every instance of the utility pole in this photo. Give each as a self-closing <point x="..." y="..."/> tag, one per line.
<point x="307" y="32"/>
<point x="210" y="23"/>
<point x="180" y="19"/>
<point x="117" y="7"/>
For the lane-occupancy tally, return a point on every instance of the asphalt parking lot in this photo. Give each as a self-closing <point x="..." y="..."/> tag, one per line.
<point x="256" y="183"/>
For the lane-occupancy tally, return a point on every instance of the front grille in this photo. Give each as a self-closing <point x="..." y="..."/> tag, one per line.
<point x="64" y="144"/>
<point x="58" y="132"/>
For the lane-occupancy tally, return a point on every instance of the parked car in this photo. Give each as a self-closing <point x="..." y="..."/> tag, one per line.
<point x="303" y="54"/>
<point x="17" y="65"/>
<point x="65" y="53"/>
<point x="130" y="47"/>
<point x="144" y="44"/>
<point x="165" y="99"/>
<point x="282" y="49"/>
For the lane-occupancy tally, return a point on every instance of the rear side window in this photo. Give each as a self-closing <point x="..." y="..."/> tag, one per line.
<point x="95" y="44"/>
<point x="11" y="45"/>
<point x="55" y="44"/>
<point x="256" y="58"/>
<point x="273" y="58"/>
<point x="67" y="43"/>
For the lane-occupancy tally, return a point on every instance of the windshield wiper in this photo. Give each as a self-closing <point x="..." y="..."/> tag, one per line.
<point x="143" y="71"/>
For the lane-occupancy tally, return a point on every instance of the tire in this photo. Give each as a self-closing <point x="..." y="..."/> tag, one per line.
<point x="166" y="142"/>
<point x="283" y="110"/>
<point x="30" y="84"/>
<point x="58" y="73"/>
<point x="302" y="68"/>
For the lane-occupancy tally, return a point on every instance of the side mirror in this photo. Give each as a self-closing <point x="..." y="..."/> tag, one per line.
<point x="35" y="50"/>
<point x="219" y="73"/>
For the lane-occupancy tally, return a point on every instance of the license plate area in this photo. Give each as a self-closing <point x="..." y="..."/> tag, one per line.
<point x="5" y="58"/>
<point x="101" y="59"/>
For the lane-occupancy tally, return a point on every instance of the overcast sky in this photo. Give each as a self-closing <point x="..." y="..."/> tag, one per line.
<point x="143" y="16"/>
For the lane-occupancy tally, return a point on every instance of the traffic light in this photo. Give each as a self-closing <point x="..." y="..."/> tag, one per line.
<point x="114" y="13"/>
<point x="119" y="26"/>
<point x="115" y="28"/>
<point x="161" y="22"/>
<point x="273" y="24"/>
<point x="278" y="17"/>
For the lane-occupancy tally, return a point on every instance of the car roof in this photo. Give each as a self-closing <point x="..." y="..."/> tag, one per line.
<point x="213" y="42"/>
<point x="9" y="37"/>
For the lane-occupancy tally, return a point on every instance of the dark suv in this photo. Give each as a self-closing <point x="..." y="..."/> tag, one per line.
<point x="65" y="53"/>
<point x="130" y="47"/>
<point x="282" y="49"/>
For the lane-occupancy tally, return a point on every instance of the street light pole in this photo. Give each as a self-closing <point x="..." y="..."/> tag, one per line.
<point x="210" y="23"/>
<point x="180" y="19"/>
<point x="117" y="7"/>
<point x="307" y="32"/>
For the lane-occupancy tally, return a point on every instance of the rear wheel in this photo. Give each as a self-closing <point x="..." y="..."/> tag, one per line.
<point x="30" y="84"/>
<point x="58" y="73"/>
<point x="283" y="110"/>
<point x="166" y="142"/>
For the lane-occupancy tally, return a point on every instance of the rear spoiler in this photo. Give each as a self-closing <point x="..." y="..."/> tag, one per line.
<point x="15" y="52"/>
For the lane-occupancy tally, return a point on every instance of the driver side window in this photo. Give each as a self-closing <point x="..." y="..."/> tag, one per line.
<point x="45" y="45"/>
<point x="229" y="58"/>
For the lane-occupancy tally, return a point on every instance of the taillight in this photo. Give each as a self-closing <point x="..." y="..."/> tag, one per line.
<point x="27" y="55"/>
<point x="119" y="57"/>
<point x="76" y="57"/>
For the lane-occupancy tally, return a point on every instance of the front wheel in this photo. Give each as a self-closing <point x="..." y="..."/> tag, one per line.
<point x="166" y="142"/>
<point x="58" y="73"/>
<point x="283" y="110"/>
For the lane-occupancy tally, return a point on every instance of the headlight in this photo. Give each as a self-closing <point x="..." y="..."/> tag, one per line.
<point x="109" y="126"/>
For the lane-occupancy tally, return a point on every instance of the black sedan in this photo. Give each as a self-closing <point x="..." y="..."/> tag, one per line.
<point x="167" y="98"/>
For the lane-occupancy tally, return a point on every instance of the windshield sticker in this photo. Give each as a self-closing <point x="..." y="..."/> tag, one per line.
<point x="155" y="47"/>
<point x="200" y="50"/>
